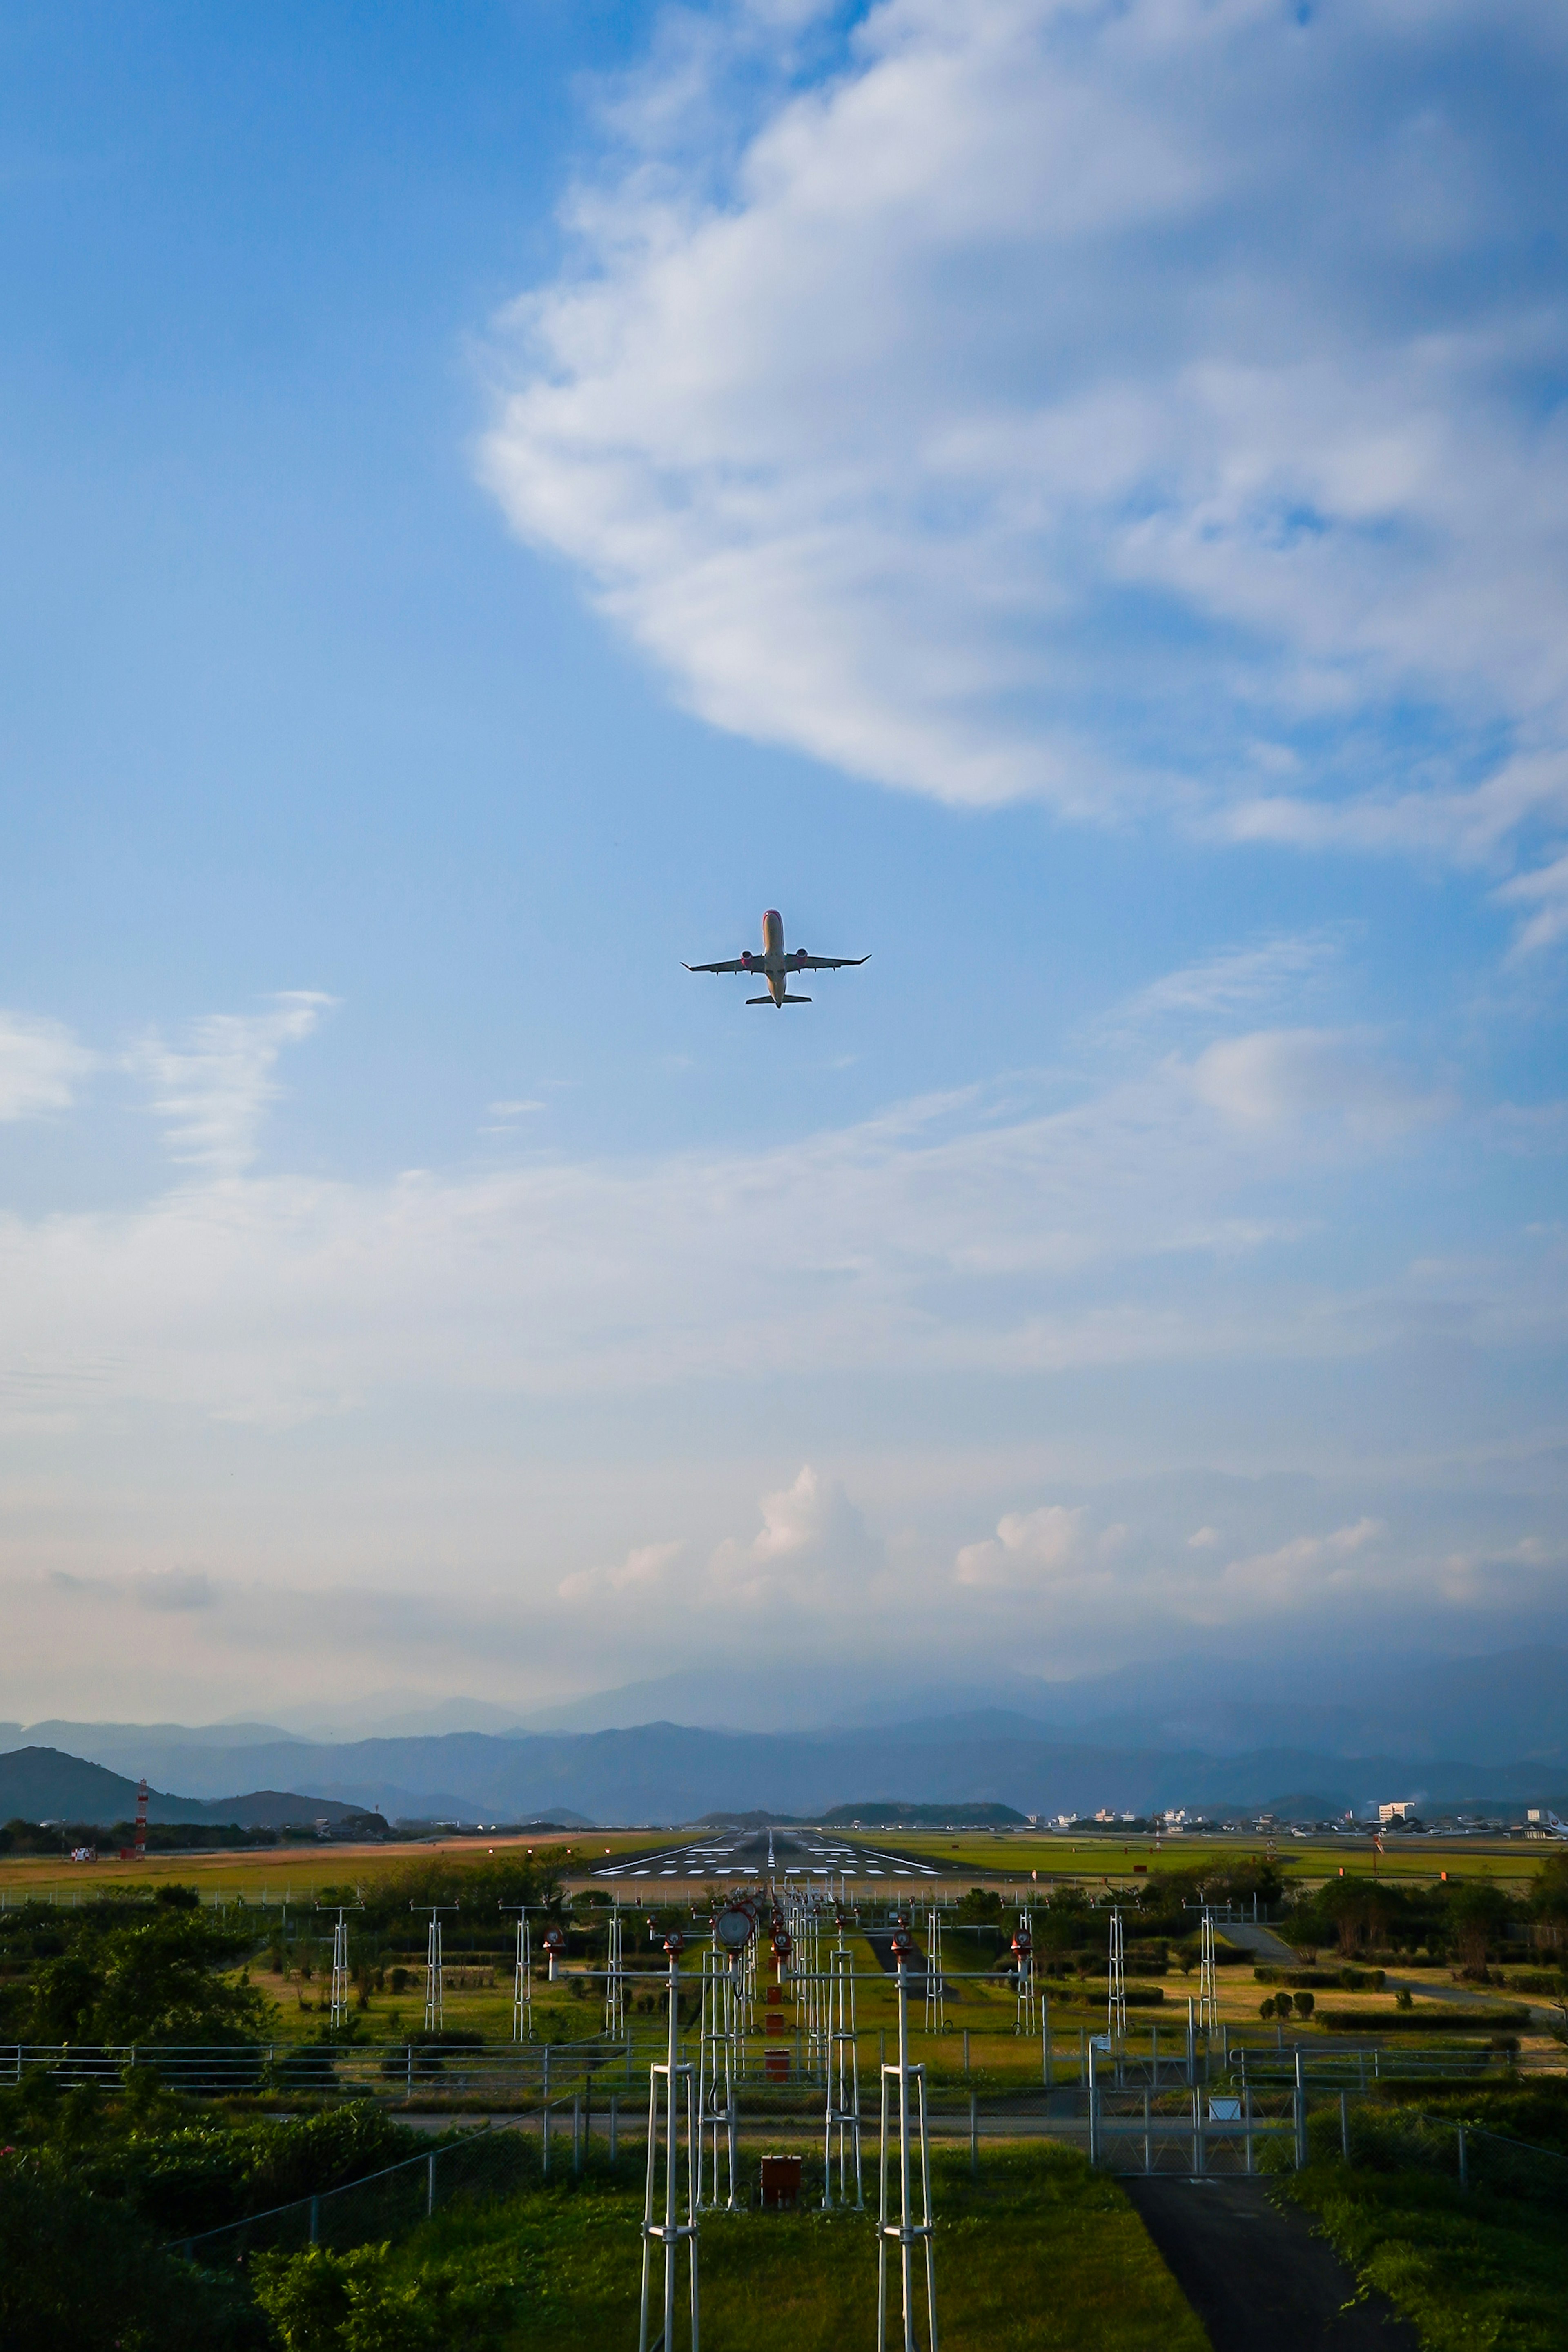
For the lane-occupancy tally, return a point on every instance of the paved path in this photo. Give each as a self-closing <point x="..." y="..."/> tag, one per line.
<point x="1256" y="2275"/>
<point x="1263" y="1943"/>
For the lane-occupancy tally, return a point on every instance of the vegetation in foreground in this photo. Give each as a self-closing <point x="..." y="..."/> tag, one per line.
<point x="1038" y="2247"/>
<point x="1471" y="2268"/>
<point x="1038" y="2250"/>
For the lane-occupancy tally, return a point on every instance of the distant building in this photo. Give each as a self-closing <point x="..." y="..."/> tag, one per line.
<point x="1405" y="1811"/>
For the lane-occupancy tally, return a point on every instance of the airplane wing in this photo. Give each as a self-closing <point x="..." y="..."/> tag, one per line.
<point x="824" y="963"/>
<point x="734" y="964"/>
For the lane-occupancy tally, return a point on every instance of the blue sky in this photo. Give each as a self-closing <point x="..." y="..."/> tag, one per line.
<point x="1071" y="500"/>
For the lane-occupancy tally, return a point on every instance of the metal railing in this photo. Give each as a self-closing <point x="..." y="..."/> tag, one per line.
<point x="506" y="2070"/>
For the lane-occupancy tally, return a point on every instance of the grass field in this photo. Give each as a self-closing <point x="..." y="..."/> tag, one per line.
<point x="1037" y="2250"/>
<point x="314" y="1871"/>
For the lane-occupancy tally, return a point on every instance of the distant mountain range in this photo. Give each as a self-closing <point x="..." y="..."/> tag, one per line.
<point x="668" y="1773"/>
<point x="1486" y="1731"/>
<point x="1494" y="1709"/>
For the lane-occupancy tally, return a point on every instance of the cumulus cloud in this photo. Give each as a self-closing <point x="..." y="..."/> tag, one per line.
<point x="41" y="1065"/>
<point x="213" y="1086"/>
<point x="812" y="1538"/>
<point x="1029" y="1549"/>
<point x="1055" y="1552"/>
<point x="1126" y="406"/>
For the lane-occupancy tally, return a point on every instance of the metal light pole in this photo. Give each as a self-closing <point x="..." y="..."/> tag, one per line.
<point x="935" y="1990"/>
<point x="907" y="2232"/>
<point x="1208" y="1987"/>
<point x="341" y="1963"/>
<point x="718" y="2050"/>
<point x="1116" y="1993"/>
<point x="523" y="1971"/>
<point x="615" y="1978"/>
<point x="670" y="2231"/>
<point x="843" y="2070"/>
<point x="434" y="2003"/>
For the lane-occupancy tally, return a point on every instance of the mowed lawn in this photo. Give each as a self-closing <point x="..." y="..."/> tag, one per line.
<point x="1037" y="2252"/>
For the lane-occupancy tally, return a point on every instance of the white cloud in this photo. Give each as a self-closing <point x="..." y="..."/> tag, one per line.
<point x="1055" y="1552"/>
<point x="955" y="1234"/>
<point x="1002" y="1230"/>
<point x="814" y="1543"/>
<point x="1119" y="405"/>
<point x="1545" y="890"/>
<point x="1275" y="1077"/>
<point x="643" y="1573"/>
<point x="1234" y="982"/>
<point x="213" y="1088"/>
<point x="41" y="1065"/>
<point x="1030" y="1549"/>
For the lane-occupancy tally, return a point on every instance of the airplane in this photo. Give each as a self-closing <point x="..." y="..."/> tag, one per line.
<point x="774" y="966"/>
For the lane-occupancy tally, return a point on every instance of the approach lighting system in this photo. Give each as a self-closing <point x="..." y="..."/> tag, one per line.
<point x="734" y="1929"/>
<point x="675" y="1943"/>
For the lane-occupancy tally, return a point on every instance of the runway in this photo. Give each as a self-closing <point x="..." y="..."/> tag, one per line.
<point x="802" y="1854"/>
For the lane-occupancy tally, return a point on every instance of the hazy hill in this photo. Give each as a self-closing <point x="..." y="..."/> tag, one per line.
<point x="41" y="1784"/>
<point x="667" y="1773"/>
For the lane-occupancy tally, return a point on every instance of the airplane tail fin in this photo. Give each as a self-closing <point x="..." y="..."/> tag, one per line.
<point x="796" y="1000"/>
<point x="759" y="1000"/>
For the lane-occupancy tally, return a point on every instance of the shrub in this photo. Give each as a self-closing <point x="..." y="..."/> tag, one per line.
<point x="77" y="2275"/>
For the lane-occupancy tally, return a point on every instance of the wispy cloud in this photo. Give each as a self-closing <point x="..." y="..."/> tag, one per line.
<point x="213" y="1086"/>
<point x="1130" y="407"/>
<point x="41" y="1066"/>
<point x="957" y="1232"/>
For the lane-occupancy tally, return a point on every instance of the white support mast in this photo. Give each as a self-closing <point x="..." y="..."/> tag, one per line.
<point x="913" y="2226"/>
<point x="1116" y="1993"/>
<point x="935" y="1989"/>
<point x="843" y="2073"/>
<point x="1208" y="1990"/>
<point x="679" y="2223"/>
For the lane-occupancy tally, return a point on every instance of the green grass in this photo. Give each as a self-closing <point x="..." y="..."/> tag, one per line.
<point x="1037" y="2252"/>
<point x="1470" y="2270"/>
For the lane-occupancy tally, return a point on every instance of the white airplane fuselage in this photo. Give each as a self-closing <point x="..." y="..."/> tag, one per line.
<point x="773" y="966"/>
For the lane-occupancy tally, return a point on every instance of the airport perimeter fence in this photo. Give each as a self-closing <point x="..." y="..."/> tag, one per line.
<point x="503" y="2071"/>
<point x="492" y="2161"/>
<point x="1401" y="2139"/>
<point x="1203" y="2133"/>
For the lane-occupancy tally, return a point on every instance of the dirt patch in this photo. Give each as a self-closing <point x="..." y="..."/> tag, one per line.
<point x="1257" y="2277"/>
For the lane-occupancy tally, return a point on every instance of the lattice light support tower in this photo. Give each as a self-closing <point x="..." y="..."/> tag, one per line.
<point x="435" y="1994"/>
<point x="719" y="2064"/>
<point x="1208" y="1990"/>
<point x="339" y="1971"/>
<point x="1116" y="1995"/>
<point x="935" y="1989"/>
<point x="678" y="2224"/>
<point x="912" y="2228"/>
<point x="1026" y="2014"/>
<point x="843" y="2073"/>
<point x="615" y="1978"/>
<point x="522" y="1975"/>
